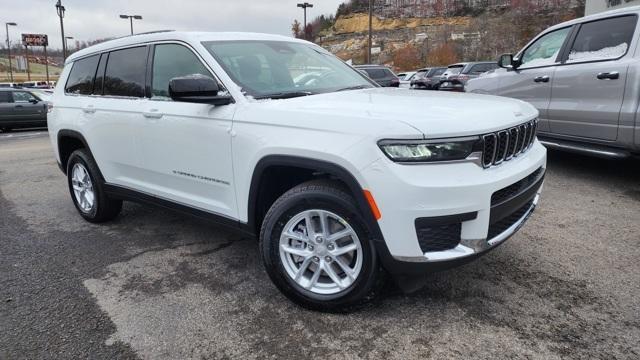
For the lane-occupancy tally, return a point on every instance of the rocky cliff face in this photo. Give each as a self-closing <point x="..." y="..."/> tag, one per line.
<point x="482" y="35"/>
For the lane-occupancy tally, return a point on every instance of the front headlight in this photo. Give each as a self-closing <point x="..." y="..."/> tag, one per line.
<point x="430" y="150"/>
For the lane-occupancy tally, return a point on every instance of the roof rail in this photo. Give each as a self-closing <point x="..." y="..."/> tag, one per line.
<point x="152" y="32"/>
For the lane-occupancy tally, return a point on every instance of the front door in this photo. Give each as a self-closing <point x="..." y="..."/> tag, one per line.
<point x="186" y="147"/>
<point x="588" y="89"/>
<point x="532" y="80"/>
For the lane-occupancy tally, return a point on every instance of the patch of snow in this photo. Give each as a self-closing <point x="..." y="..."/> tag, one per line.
<point x="542" y="61"/>
<point x="611" y="52"/>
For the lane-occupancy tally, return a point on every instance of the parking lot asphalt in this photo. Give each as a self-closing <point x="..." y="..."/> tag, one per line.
<point x="156" y="284"/>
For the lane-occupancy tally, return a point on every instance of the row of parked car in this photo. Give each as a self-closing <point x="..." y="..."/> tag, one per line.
<point x="29" y="84"/>
<point x="450" y="78"/>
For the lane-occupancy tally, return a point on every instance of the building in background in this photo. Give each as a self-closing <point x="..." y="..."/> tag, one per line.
<point x="596" y="6"/>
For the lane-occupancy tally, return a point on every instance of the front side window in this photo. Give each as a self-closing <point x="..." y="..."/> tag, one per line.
<point x="545" y="50"/>
<point x="23" y="97"/>
<point x="269" y="68"/>
<point x="172" y="60"/>
<point x="125" y="73"/>
<point x="80" y="79"/>
<point x="603" y="40"/>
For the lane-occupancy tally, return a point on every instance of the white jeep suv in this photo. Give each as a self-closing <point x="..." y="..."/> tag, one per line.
<point x="339" y="178"/>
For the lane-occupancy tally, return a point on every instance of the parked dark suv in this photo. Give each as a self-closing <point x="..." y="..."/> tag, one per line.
<point x="428" y="78"/>
<point x="380" y="74"/>
<point x="457" y="75"/>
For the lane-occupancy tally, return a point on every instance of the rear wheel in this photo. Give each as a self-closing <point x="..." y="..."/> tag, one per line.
<point x="316" y="248"/>
<point x="87" y="189"/>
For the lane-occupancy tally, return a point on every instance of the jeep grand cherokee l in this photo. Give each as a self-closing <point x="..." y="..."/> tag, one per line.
<point x="339" y="178"/>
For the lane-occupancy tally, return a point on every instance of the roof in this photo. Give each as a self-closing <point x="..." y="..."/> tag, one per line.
<point x="186" y="36"/>
<point x="621" y="11"/>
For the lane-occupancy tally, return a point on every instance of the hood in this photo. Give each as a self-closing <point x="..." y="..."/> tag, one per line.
<point x="434" y="114"/>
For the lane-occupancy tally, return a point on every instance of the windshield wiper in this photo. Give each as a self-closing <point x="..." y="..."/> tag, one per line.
<point x="284" y="95"/>
<point x="357" y="87"/>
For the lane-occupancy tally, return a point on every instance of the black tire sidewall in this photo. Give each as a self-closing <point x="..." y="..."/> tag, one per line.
<point x="79" y="156"/>
<point x="293" y="203"/>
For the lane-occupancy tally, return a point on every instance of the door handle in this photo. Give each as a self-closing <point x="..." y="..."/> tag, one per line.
<point x="608" y="75"/>
<point x="544" y="79"/>
<point x="19" y="106"/>
<point x="89" y="109"/>
<point x="152" y="114"/>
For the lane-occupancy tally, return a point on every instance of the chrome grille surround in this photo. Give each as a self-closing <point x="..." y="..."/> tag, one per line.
<point x="506" y="144"/>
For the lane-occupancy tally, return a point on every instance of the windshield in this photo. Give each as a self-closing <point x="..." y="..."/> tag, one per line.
<point x="271" y="69"/>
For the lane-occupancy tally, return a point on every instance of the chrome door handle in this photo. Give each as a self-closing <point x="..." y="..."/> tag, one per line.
<point x="89" y="109"/>
<point x="544" y="78"/>
<point x="613" y="75"/>
<point x="152" y="114"/>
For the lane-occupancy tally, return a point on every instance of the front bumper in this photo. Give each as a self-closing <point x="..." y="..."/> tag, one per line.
<point x="436" y="191"/>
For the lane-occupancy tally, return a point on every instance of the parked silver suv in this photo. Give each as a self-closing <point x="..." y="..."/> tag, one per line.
<point x="584" y="78"/>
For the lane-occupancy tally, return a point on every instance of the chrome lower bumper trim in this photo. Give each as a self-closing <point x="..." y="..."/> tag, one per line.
<point x="468" y="247"/>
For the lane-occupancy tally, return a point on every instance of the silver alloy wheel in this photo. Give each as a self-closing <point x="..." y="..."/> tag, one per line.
<point x="82" y="187"/>
<point x="321" y="252"/>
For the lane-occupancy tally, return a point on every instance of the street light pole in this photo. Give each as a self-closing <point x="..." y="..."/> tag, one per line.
<point x="370" y="32"/>
<point x="60" y="9"/>
<point x="304" y="6"/>
<point x="9" y="48"/>
<point x="131" y="17"/>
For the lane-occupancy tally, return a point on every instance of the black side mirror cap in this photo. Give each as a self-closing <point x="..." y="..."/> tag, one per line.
<point x="34" y="101"/>
<point x="197" y="88"/>
<point x="507" y="61"/>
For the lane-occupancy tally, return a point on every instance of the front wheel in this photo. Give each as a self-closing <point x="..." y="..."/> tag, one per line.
<point x="317" y="250"/>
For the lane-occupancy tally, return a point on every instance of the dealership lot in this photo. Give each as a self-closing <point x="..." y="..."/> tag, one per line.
<point x="156" y="284"/>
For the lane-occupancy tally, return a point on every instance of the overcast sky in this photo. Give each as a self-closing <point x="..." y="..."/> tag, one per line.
<point x="93" y="19"/>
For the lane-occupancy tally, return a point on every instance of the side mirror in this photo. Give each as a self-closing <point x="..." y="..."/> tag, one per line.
<point x="197" y="89"/>
<point x="34" y="101"/>
<point x="506" y="61"/>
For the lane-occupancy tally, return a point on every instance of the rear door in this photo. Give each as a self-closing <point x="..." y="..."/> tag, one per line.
<point x="531" y="81"/>
<point x="588" y="90"/>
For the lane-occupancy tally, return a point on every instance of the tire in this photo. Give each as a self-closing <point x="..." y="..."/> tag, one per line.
<point x="102" y="208"/>
<point x="331" y="201"/>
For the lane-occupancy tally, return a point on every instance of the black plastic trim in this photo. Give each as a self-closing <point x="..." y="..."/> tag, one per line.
<point x="72" y="134"/>
<point x="122" y="193"/>
<point x="446" y="219"/>
<point x="505" y="208"/>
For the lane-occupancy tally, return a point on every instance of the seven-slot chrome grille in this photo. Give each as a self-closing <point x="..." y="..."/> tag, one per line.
<point x="506" y="144"/>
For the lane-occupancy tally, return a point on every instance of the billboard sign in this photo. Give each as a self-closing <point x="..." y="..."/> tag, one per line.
<point x="35" y="40"/>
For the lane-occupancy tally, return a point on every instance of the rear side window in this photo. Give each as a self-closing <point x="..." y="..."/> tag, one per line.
<point x="481" y="68"/>
<point x="376" y="73"/>
<point x="603" y="40"/>
<point x="437" y="72"/>
<point x="171" y="60"/>
<point x="5" y="97"/>
<point x="80" y="79"/>
<point x="125" y="73"/>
